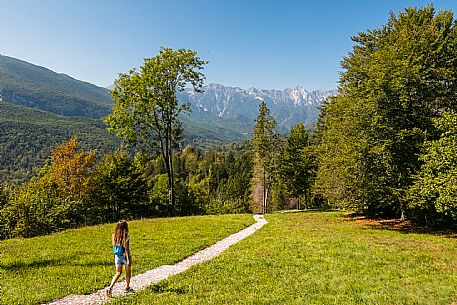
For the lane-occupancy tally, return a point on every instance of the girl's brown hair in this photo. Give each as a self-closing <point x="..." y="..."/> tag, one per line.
<point x="120" y="232"/>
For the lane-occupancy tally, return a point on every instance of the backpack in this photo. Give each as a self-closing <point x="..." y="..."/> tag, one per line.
<point x="118" y="250"/>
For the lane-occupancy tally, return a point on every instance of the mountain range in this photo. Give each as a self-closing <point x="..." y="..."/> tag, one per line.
<point x="41" y="108"/>
<point x="288" y="107"/>
<point x="227" y="112"/>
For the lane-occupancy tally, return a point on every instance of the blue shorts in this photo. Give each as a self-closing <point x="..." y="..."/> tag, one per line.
<point x="121" y="260"/>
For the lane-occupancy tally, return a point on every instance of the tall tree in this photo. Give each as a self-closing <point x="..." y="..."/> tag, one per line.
<point x="394" y="82"/>
<point x="298" y="164"/>
<point x="146" y="108"/>
<point x="263" y="140"/>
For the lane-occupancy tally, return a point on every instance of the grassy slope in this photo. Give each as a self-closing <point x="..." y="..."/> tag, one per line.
<point x="318" y="258"/>
<point x="80" y="261"/>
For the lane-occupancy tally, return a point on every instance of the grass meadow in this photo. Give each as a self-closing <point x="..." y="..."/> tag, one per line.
<point x="297" y="258"/>
<point x="318" y="258"/>
<point x="80" y="261"/>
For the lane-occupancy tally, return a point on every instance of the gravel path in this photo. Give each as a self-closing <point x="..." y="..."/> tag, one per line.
<point x="153" y="276"/>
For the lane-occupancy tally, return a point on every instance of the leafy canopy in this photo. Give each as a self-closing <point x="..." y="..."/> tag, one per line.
<point x="146" y="107"/>
<point x="394" y="82"/>
<point x="435" y="187"/>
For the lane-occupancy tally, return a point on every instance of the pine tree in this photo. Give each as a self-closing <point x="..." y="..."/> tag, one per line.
<point x="298" y="164"/>
<point x="263" y="140"/>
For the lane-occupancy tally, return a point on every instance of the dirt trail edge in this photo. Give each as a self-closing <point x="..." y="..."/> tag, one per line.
<point x="153" y="276"/>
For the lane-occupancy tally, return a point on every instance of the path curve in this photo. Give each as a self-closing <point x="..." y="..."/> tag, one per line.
<point x="153" y="276"/>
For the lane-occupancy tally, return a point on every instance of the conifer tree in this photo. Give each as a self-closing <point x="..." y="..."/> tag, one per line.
<point x="263" y="140"/>
<point x="298" y="164"/>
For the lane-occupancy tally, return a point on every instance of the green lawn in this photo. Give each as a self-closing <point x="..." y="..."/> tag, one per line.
<point x="80" y="261"/>
<point x="318" y="258"/>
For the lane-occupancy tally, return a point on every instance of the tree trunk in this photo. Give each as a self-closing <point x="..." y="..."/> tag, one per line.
<point x="307" y="199"/>
<point x="402" y="209"/>
<point x="117" y="211"/>
<point x="402" y="217"/>
<point x="265" y="208"/>
<point x="171" y="181"/>
<point x="264" y="197"/>
<point x="169" y="158"/>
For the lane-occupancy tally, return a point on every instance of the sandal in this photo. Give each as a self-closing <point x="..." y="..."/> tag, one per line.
<point x="128" y="290"/>
<point x="109" y="292"/>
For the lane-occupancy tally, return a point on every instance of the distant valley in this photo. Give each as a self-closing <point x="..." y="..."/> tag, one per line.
<point x="41" y="108"/>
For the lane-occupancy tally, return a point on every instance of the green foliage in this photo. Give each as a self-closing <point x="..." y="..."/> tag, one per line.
<point x="34" y="209"/>
<point x="284" y="168"/>
<point x="120" y="190"/>
<point x="276" y="190"/>
<point x="280" y="198"/>
<point x="265" y="146"/>
<point x="56" y="199"/>
<point x="204" y="131"/>
<point x="434" y="191"/>
<point x="263" y="133"/>
<point x="27" y="136"/>
<point x="298" y="165"/>
<point x="395" y="81"/>
<point x="3" y="203"/>
<point x="146" y="108"/>
<point x="80" y="261"/>
<point x="317" y="258"/>
<point x="229" y="181"/>
<point x="72" y="190"/>
<point x="160" y="194"/>
<point x="215" y="182"/>
<point x="341" y="151"/>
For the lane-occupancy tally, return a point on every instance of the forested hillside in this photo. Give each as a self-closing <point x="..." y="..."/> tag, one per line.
<point x="41" y="109"/>
<point x="33" y="86"/>
<point x="27" y="136"/>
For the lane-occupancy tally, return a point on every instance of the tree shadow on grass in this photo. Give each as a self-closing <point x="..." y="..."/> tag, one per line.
<point x="105" y="263"/>
<point x="308" y="211"/>
<point x="402" y="226"/>
<point x="164" y="288"/>
<point x="37" y="264"/>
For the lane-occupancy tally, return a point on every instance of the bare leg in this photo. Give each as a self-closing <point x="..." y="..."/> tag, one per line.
<point x="116" y="276"/>
<point x="127" y="276"/>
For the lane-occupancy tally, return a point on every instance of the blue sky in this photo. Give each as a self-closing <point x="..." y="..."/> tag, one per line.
<point x="249" y="43"/>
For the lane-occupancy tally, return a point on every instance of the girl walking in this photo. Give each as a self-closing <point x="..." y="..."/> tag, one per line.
<point x="122" y="255"/>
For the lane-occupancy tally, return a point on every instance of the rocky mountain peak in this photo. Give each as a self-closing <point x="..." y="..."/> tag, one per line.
<point x="289" y="106"/>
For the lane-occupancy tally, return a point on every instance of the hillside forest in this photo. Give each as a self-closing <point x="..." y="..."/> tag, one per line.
<point x="384" y="146"/>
